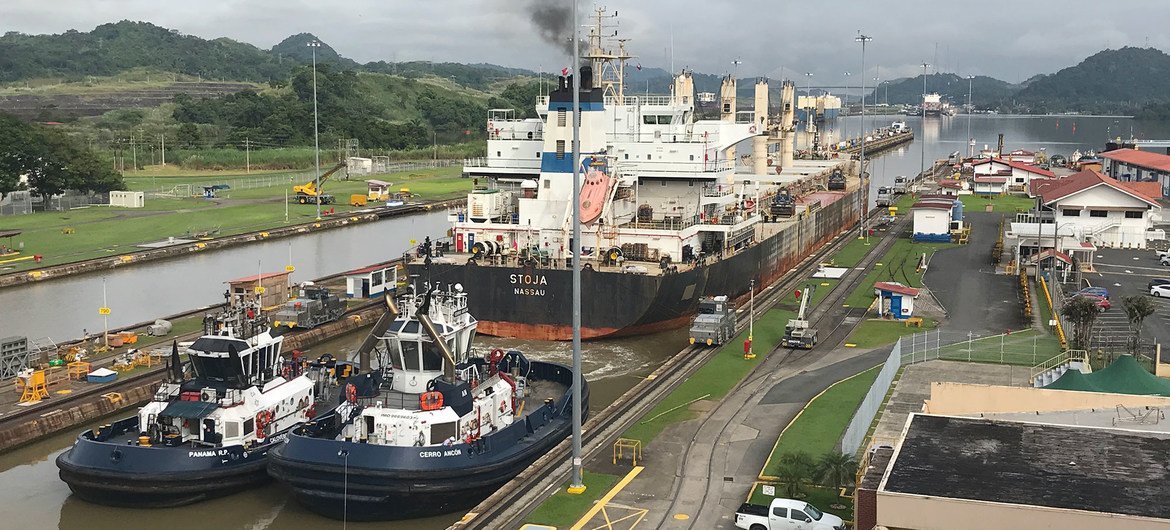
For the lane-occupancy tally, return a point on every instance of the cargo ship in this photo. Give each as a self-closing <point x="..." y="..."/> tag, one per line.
<point x="202" y="436"/>
<point x="668" y="205"/>
<point x="433" y="427"/>
<point x="932" y="105"/>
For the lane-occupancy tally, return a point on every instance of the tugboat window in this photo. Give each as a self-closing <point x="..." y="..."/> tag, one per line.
<point x="432" y="356"/>
<point x="410" y="355"/>
<point x="232" y="429"/>
<point x="249" y="426"/>
<point x="214" y="368"/>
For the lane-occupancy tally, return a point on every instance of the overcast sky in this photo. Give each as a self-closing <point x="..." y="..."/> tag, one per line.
<point x="1010" y="40"/>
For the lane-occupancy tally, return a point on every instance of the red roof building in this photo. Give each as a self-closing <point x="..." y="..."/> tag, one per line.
<point x="1144" y="167"/>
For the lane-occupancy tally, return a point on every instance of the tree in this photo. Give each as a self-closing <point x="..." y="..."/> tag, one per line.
<point x="188" y="135"/>
<point x="1137" y="308"/>
<point x="836" y="470"/>
<point x="795" y="470"/>
<point x="1081" y="312"/>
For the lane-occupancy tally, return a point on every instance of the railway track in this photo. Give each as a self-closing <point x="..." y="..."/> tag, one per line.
<point x="549" y="471"/>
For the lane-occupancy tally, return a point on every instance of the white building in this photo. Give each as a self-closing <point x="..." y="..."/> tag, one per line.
<point x="1083" y="211"/>
<point x="933" y="219"/>
<point x="1017" y="174"/>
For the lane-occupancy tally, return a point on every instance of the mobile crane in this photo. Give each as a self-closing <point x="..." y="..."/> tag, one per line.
<point x="797" y="333"/>
<point x="309" y="193"/>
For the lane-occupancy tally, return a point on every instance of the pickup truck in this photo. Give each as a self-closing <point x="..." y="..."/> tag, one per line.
<point x="785" y="514"/>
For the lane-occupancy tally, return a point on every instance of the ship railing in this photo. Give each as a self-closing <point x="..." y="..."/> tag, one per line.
<point x="665" y="137"/>
<point x="633" y="101"/>
<point x="498" y="133"/>
<point x="681" y="168"/>
<point x="505" y="163"/>
<point x="718" y="190"/>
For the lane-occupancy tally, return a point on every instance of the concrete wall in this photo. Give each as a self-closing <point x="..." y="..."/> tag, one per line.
<point x="964" y="398"/>
<point x="897" y="510"/>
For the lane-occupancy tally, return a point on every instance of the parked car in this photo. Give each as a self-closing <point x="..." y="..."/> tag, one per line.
<point x="1096" y="291"/>
<point x="1102" y="303"/>
<point x="1157" y="281"/>
<point x="1160" y="291"/>
<point x="783" y="514"/>
<point x="1164" y="259"/>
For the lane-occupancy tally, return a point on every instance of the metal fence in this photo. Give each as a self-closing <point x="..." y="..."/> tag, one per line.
<point x="867" y="411"/>
<point x="1024" y="347"/>
<point x="268" y="180"/>
<point x="23" y="202"/>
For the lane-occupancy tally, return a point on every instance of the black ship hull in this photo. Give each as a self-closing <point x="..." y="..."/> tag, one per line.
<point x="368" y="482"/>
<point x="535" y="303"/>
<point x="114" y="473"/>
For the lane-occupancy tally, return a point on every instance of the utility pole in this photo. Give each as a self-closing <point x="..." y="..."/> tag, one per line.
<point x="922" y="161"/>
<point x="316" y="134"/>
<point x="163" y="140"/>
<point x="133" y="154"/>
<point x="864" y="174"/>
<point x="970" y="110"/>
<point x="248" y="156"/>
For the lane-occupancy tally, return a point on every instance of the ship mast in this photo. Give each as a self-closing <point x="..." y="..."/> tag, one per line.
<point x="609" y="67"/>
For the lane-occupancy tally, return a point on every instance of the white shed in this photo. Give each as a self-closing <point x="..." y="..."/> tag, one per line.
<point x="128" y="199"/>
<point x="932" y="219"/>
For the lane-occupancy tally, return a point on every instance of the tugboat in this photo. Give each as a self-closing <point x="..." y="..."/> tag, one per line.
<point x="205" y="434"/>
<point x="434" y="428"/>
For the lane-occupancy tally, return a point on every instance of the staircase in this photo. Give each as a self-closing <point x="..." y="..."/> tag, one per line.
<point x="1045" y="373"/>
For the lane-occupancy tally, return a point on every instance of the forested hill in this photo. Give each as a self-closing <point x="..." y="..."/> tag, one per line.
<point x="113" y="48"/>
<point x="985" y="91"/>
<point x="1111" y="80"/>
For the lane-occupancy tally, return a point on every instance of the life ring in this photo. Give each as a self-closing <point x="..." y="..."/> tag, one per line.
<point x="430" y="400"/>
<point x="752" y="129"/>
<point x="262" y="420"/>
<point x="351" y="393"/>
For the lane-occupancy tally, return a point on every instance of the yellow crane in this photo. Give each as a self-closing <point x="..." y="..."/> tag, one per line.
<point x="309" y="193"/>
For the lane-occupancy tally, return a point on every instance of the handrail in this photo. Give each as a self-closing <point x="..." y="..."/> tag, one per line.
<point x="1055" y="316"/>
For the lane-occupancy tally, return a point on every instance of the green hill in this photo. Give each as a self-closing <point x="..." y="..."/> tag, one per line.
<point x="1111" y="81"/>
<point x="296" y="48"/>
<point x="986" y="92"/>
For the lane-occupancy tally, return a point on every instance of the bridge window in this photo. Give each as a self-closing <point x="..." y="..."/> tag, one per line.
<point x="560" y="149"/>
<point x="561" y="118"/>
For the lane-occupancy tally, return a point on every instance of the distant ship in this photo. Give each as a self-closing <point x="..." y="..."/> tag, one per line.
<point x="932" y="105"/>
<point x="825" y="107"/>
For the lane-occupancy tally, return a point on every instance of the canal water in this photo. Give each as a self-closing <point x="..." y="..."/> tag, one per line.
<point x="31" y="495"/>
<point x="60" y="309"/>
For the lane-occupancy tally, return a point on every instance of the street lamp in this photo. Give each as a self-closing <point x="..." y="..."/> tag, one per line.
<point x="970" y="110"/>
<point x="749" y="354"/>
<point x="313" y="45"/>
<point x="808" y="101"/>
<point x="845" y="133"/>
<point x="864" y="181"/>
<point x="922" y="161"/>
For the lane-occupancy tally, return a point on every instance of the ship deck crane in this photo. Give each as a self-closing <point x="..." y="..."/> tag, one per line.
<point x="797" y="333"/>
<point x="309" y="193"/>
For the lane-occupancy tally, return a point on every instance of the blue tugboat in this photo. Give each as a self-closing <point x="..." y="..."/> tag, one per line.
<point x="202" y="436"/>
<point x="435" y="428"/>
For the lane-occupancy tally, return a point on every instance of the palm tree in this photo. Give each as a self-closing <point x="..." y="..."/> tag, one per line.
<point x="1137" y="308"/>
<point x="835" y="470"/>
<point x="1081" y="312"/>
<point x="795" y="469"/>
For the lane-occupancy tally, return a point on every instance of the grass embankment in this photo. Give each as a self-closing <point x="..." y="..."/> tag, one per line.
<point x="1000" y="204"/>
<point x="98" y="231"/>
<point x="563" y="509"/>
<point x="899" y="264"/>
<point x="874" y="333"/>
<point x="1023" y="348"/>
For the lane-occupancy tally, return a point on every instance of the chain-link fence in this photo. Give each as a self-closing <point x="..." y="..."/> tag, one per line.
<point x="862" y="419"/>
<point x="24" y="202"/>
<point x="1024" y="348"/>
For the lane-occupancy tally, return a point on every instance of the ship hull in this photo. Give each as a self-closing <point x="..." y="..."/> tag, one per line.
<point x="535" y="303"/>
<point x="368" y="482"/>
<point x="130" y="476"/>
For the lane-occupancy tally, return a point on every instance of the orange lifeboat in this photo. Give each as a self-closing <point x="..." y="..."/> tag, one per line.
<point x="593" y="194"/>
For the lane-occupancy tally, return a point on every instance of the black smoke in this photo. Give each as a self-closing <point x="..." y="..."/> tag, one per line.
<point x="553" y="20"/>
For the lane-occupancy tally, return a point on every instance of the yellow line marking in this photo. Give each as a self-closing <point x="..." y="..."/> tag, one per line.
<point x="617" y="488"/>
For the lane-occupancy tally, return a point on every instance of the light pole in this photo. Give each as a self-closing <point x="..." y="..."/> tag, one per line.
<point x="751" y="319"/>
<point x="845" y="122"/>
<point x="313" y="45"/>
<point x="808" y="101"/>
<point x="576" y="485"/>
<point x="864" y="180"/>
<point x="970" y="110"/>
<point x="922" y="161"/>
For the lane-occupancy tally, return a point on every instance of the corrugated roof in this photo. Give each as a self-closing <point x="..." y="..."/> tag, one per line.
<point x="9" y="233"/>
<point x="1018" y="165"/>
<point x="258" y="277"/>
<point x="896" y="288"/>
<point x="990" y="180"/>
<point x="1083" y="180"/>
<point x="1144" y="159"/>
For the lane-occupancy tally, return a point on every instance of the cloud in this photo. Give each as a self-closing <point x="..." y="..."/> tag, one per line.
<point x="1010" y="40"/>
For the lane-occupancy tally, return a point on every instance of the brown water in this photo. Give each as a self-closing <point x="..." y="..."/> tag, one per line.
<point x="32" y="496"/>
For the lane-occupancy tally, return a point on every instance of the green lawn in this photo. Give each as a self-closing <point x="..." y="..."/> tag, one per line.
<point x="562" y="509"/>
<point x="1023" y="348"/>
<point x="874" y="333"/>
<point x="820" y="426"/>
<point x="1002" y="204"/>
<point x="714" y="379"/>
<point x="102" y="231"/>
<point x="899" y="264"/>
<point x="821" y="497"/>
<point x="852" y="253"/>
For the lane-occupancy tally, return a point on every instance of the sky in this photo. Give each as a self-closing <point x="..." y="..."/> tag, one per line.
<point x="1009" y="40"/>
